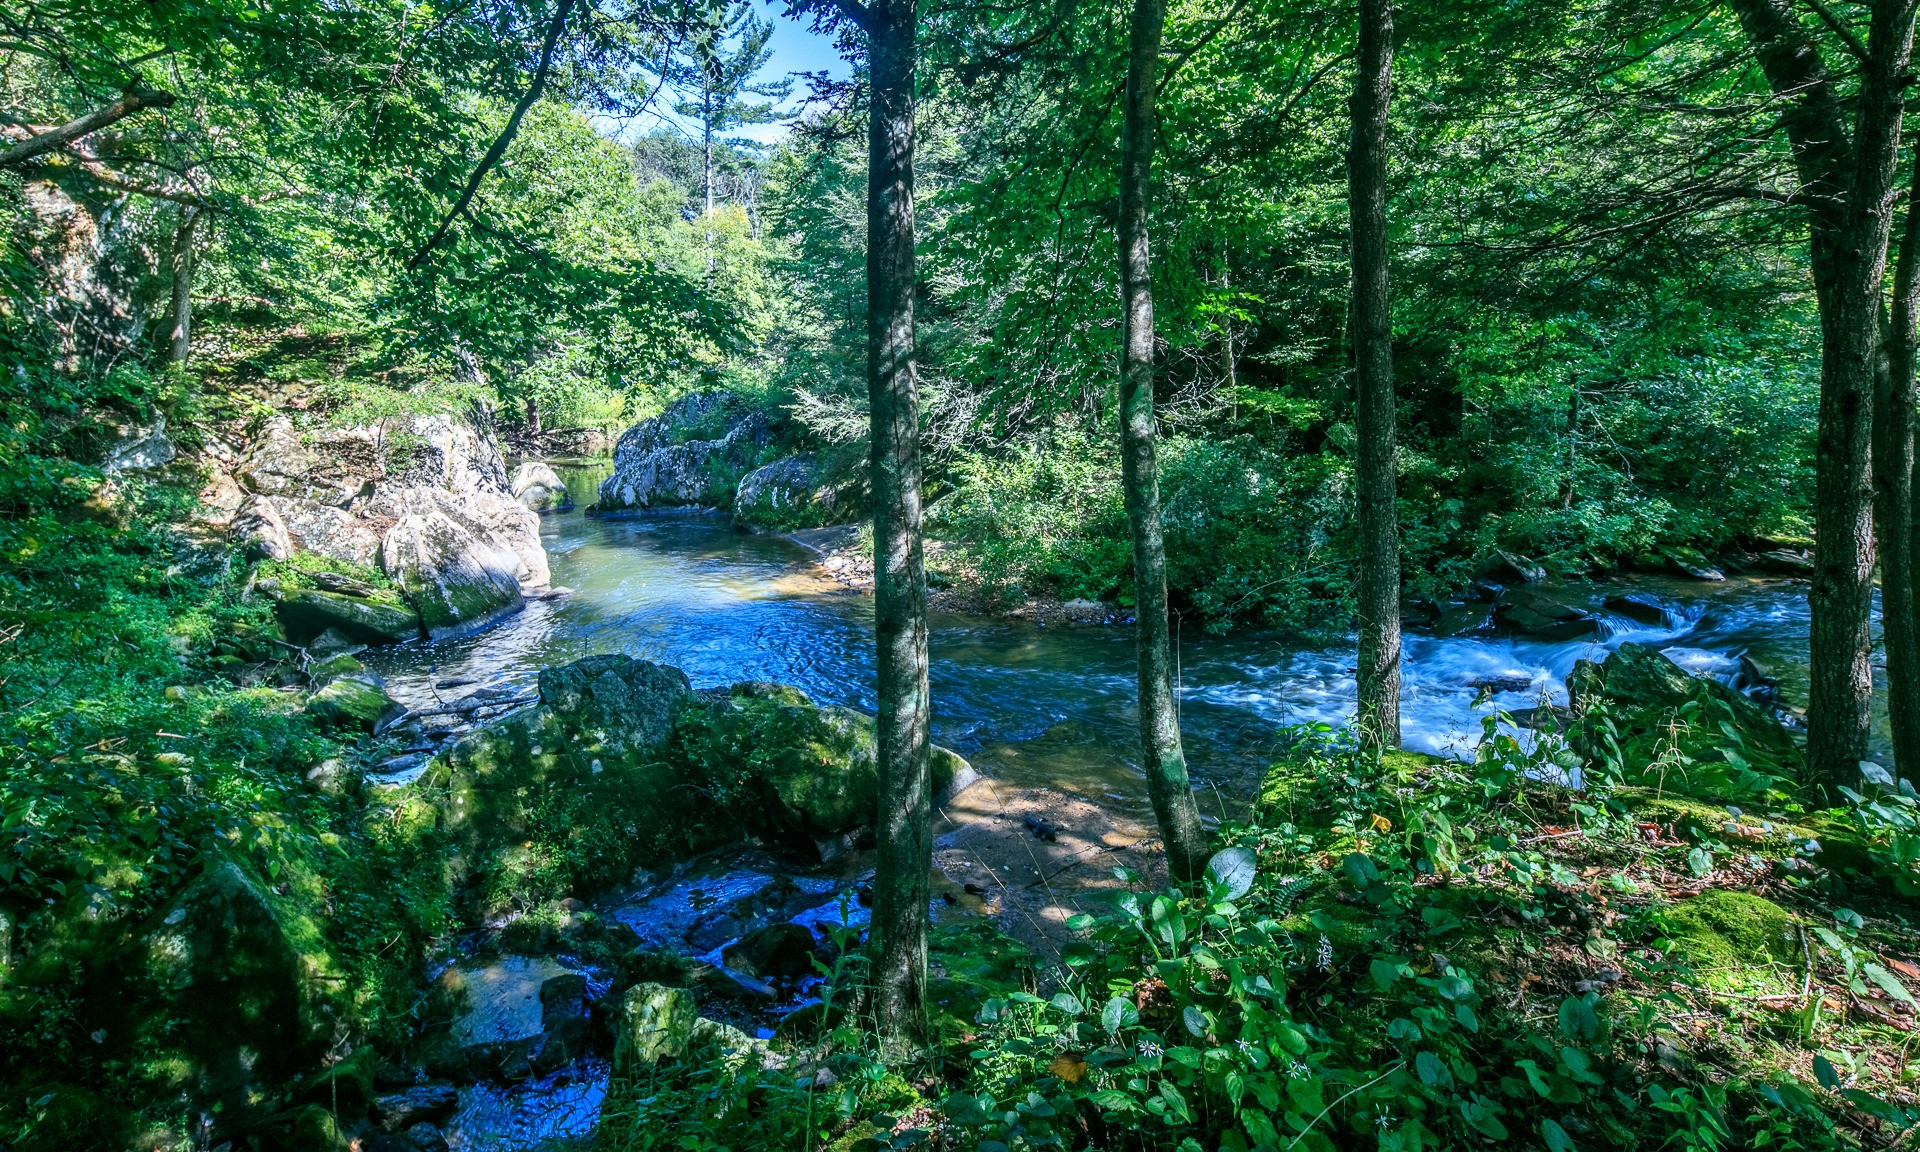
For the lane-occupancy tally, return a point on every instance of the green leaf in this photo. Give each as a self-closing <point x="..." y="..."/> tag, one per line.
<point x="1067" y="1002"/>
<point x="1080" y="922"/>
<point x="1433" y="1073"/>
<point x="1195" y="1020"/>
<point x="1825" y="1072"/>
<point x="1888" y="982"/>
<point x="1556" y="1137"/>
<point x="1119" y="1013"/>
<point x="1231" y="873"/>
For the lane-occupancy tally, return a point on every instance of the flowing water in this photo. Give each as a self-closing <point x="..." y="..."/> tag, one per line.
<point x="1037" y="706"/>
<point x="1041" y="705"/>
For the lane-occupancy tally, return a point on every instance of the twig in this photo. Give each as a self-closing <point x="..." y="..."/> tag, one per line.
<point x="1391" y="1069"/>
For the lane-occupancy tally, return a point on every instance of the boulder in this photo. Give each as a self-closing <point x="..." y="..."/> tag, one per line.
<point x="455" y="582"/>
<point x="586" y="756"/>
<point x="325" y="530"/>
<point x="783" y="951"/>
<point x="382" y="620"/>
<point x="1639" y="608"/>
<point x="341" y="663"/>
<point x="140" y="449"/>
<point x="357" y="701"/>
<point x="706" y="473"/>
<point x="655" y="1023"/>
<point x="1682" y="561"/>
<point x="789" y="493"/>
<point x="1735" y="747"/>
<point x="258" y="529"/>
<point x="1544" y="614"/>
<point x="1511" y="568"/>
<point x="335" y="777"/>
<point x="1785" y="562"/>
<point x="511" y="1017"/>
<point x="1460" y="619"/>
<point x="539" y="488"/>
<point x="234" y="992"/>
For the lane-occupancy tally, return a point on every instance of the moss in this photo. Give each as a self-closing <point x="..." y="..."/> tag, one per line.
<point x="970" y="963"/>
<point x="1723" y="931"/>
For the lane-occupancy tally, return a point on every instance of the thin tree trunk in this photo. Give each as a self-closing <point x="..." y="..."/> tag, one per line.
<point x="1845" y="184"/>
<point x="1166" y="761"/>
<point x="1373" y="381"/>
<point x="899" y="935"/>
<point x="183" y="261"/>
<point x="533" y="415"/>
<point x="1893" y="467"/>
<point x="707" y="169"/>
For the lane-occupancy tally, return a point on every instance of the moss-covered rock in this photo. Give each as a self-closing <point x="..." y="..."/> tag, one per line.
<point x="1728" y="931"/>
<point x="1641" y="714"/>
<point x="381" y="618"/>
<point x="457" y="581"/>
<point x="654" y="1023"/>
<point x="356" y="701"/>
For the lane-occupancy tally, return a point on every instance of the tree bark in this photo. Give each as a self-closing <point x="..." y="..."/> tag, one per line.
<point x="533" y="415"/>
<point x="898" y="939"/>
<point x="1166" y="761"/>
<point x="1893" y="468"/>
<point x="183" y="260"/>
<point x="1379" y="591"/>
<point x="1845" y="185"/>
<point x="131" y="101"/>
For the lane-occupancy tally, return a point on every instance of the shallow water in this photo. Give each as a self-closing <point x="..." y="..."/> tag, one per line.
<point x="725" y="606"/>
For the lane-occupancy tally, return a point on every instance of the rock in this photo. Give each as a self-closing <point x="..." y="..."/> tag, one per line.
<point x="1463" y="618"/>
<point x="140" y="449"/>
<point x="258" y="529"/>
<point x="324" y="530"/>
<point x="1732" y="931"/>
<point x="310" y="612"/>
<point x="729" y="1043"/>
<point x="357" y="701"/>
<point x="1084" y="610"/>
<point x="539" y="488"/>
<point x="1544" y="614"/>
<point x="782" y="951"/>
<point x="658" y="463"/>
<point x="655" y="1023"/>
<point x="421" y="1137"/>
<point x="428" y="1103"/>
<point x="1785" y="562"/>
<point x="1510" y="568"/>
<point x="340" y="663"/>
<point x="1639" y="608"/>
<point x="1737" y="747"/>
<point x="456" y="583"/>
<point x="334" y="777"/>
<point x="593" y="738"/>
<point x="512" y="1017"/>
<point x="238" y="995"/>
<point x="332" y="643"/>
<point x="1685" y="561"/>
<point x="789" y="494"/>
<point x="1502" y="682"/>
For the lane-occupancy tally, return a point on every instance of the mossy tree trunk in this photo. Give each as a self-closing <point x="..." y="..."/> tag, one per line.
<point x="1372" y="335"/>
<point x="1166" y="761"/>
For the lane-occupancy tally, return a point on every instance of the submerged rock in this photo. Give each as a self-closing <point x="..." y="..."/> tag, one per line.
<point x="782" y="951"/>
<point x="509" y="1018"/>
<point x="1639" y="608"/>
<point x="1544" y="613"/>
<point x="1463" y="618"/>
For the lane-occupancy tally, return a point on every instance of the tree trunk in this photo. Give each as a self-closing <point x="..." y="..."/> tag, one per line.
<point x="533" y="416"/>
<point x="1166" y="761"/>
<point x="899" y="935"/>
<point x="1893" y="466"/>
<point x="1379" y="718"/>
<point x="1845" y="185"/>
<point x="183" y="260"/>
<point x="706" y="144"/>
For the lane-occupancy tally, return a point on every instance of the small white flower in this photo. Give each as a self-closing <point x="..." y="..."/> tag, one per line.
<point x="1149" y="1050"/>
<point x="1297" y="1068"/>
<point x="1323" y="958"/>
<point x="1246" y="1049"/>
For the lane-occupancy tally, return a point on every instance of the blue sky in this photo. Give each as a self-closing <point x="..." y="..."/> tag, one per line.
<point x="795" y="49"/>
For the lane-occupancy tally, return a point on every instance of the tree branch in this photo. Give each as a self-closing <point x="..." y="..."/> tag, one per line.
<point x="133" y="100"/>
<point x="1847" y="35"/>
<point x="1206" y="38"/>
<point x="860" y="14"/>
<point x="534" y="92"/>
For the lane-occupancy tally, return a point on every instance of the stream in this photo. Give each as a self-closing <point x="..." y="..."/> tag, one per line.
<point x="1036" y="707"/>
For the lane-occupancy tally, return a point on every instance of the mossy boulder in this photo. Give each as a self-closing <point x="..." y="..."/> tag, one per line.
<point x="1727" y="934"/>
<point x="380" y="618"/>
<point x="655" y="1023"/>
<point x="1679" y="731"/>
<point x="357" y="701"/>
<point x="573" y="785"/>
